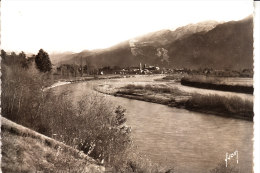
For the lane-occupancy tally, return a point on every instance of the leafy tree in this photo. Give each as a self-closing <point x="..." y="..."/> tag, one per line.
<point x="42" y="61"/>
<point x="3" y="54"/>
<point x="85" y="69"/>
<point x="22" y="55"/>
<point x="23" y="60"/>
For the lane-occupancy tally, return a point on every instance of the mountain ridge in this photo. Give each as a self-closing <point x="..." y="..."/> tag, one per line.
<point x="206" y="44"/>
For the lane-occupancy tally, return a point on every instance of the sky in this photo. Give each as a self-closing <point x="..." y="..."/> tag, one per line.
<point x="60" y="26"/>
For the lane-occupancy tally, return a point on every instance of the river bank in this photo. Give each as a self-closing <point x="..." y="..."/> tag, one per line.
<point x="160" y="92"/>
<point x="212" y="84"/>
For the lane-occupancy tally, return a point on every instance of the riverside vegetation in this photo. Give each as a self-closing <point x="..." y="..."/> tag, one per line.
<point x="212" y="103"/>
<point x="91" y="125"/>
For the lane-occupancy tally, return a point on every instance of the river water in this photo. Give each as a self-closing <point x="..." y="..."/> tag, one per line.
<point x="188" y="141"/>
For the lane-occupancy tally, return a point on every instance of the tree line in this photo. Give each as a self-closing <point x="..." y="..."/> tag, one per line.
<point x="41" y="60"/>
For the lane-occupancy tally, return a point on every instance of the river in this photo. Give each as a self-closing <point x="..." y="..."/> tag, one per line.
<point x="188" y="141"/>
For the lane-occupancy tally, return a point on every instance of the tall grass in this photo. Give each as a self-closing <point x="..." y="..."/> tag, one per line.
<point x="228" y="106"/>
<point x="156" y="89"/>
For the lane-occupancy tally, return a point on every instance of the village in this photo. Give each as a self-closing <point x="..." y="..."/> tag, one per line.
<point x="75" y="70"/>
<point x="79" y="70"/>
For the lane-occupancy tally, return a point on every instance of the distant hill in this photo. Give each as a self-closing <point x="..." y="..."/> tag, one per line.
<point x="56" y="58"/>
<point x="206" y="44"/>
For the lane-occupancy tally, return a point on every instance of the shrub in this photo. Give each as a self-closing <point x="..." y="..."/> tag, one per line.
<point x="21" y="93"/>
<point x="106" y="135"/>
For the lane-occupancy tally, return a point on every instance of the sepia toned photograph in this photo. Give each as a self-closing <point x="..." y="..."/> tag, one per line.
<point x="127" y="86"/>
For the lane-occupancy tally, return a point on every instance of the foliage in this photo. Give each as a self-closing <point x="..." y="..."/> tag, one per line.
<point x="69" y="70"/>
<point x="42" y="61"/>
<point x="20" y="89"/>
<point x="106" y="135"/>
<point x="20" y="60"/>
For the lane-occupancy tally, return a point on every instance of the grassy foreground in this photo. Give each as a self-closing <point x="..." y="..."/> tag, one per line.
<point x="24" y="150"/>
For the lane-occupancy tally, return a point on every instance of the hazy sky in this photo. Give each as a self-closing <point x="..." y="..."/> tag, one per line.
<point x="78" y="25"/>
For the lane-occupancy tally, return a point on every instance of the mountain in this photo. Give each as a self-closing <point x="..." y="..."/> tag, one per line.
<point x="205" y="44"/>
<point x="228" y="45"/>
<point x="164" y="37"/>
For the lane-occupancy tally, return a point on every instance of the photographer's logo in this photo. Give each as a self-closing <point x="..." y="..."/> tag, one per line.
<point x="230" y="156"/>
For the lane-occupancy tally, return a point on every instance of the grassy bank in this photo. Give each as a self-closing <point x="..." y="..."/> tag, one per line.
<point x="229" y="107"/>
<point x="216" y="84"/>
<point x="156" y="94"/>
<point x="25" y="150"/>
<point x="234" y="107"/>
